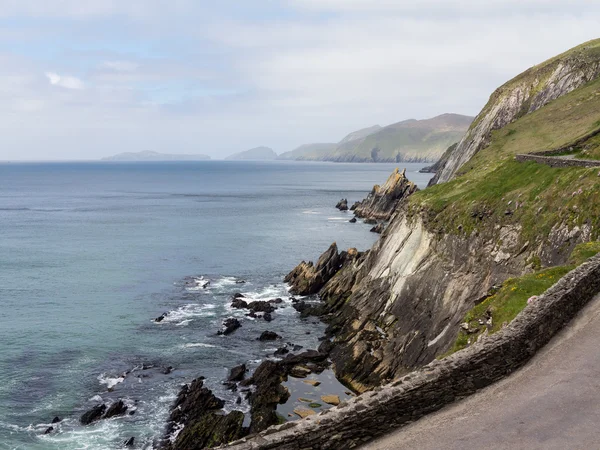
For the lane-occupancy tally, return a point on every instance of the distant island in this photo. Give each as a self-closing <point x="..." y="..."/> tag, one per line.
<point x="154" y="156"/>
<point x="254" y="154"/>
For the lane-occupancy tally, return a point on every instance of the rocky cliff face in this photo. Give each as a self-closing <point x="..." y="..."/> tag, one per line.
<point x="522" y="95"/>
<point x="382" y="202"/>
<point x="402" y="305"/>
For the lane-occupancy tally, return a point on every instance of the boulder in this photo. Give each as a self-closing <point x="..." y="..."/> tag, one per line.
<point x="302" y="412"/>
<point x="300" y="372"/>
<point x="56" y="419"/>
<point x="204" y="424"/>
<point x="161" y="317"/>
<point x="331" y="399"/>
<point x="268" y="317"/>
<point x="237" y="373"/>
<point x="49" y="430"/>
<point x="342" y="205"/>
<point x="281" y="351"/>
<point x="230" y="325"/>
<point x="353" y="220"/>
<point x="129" y="442"/>
<point x="93" y="414"/>
<point x="276" y="300"/>
<point x="314" y="383"/>
<point x="269" y="336"/>
<point x="378" y="228"/>
<point x="261" y="306"/>
<point x="118" y="408"/>
<point x="239" y="303"/>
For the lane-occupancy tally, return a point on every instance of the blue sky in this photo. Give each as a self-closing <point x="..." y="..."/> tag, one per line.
<point x="82" y="79"/>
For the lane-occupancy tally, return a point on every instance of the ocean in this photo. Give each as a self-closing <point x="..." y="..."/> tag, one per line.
<point x="91" y="253"/>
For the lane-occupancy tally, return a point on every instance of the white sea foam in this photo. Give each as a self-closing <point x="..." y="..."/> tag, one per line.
<point x="309" y="212"/>
<point x="183" y="315"/>
<point x="337" y="218"/>
<point x="110" y="382"/>
<point x="198" y="344"/>
<point x="198" y="284"/>
<point x="96" y="398"/>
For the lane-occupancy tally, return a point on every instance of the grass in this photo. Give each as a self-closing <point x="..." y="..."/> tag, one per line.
<point x="502" y="307"/>
<point x="590" y="149"/>
<point x="493" y="189"/>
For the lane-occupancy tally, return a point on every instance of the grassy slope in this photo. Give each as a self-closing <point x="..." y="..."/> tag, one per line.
<point x="537" y="75"/>
<point x="511" y="298"/>
<point x="535" y="195"/>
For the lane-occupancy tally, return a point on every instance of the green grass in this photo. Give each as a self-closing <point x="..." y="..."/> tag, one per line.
<point x="590" y="149"/>
<point x="535" y="196"/>
<point x="511" y="298"/>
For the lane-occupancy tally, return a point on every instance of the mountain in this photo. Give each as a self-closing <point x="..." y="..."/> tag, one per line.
<point x="460" y="259"/>
<point x="258" y="153"/>
<point x="523" y="95"/>
<point x="360" y="134"/>
<point x="154" y="156"/>
<point x="410" y="140"/>
<point x="308" y="152"/>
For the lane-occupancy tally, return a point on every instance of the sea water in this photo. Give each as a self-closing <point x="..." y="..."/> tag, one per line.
<point x="91" y="253"/>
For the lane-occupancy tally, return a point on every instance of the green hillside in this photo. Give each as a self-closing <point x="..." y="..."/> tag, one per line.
<point x="493" y="188"/>
<point x="410" y="140"/>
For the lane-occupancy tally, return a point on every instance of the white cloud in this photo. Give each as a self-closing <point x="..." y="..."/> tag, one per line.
<point x="180" y="75"/>
<point x="65" y="81"/>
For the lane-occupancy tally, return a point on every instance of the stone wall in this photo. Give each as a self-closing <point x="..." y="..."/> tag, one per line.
<point x="554" y="161"/>
<point x="441" y="382"/>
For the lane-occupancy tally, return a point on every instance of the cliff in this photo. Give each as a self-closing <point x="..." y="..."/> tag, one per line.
<point x="523" y="95"/>
<point x="451" y="246"/>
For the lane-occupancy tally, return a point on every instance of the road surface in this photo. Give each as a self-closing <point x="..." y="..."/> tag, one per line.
<point x="551" y="403"/>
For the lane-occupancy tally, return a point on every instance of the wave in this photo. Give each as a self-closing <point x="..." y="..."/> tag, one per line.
<point x="110" y="382"/>
<point x="184" y="315"/>
<point x="198" y="344"/>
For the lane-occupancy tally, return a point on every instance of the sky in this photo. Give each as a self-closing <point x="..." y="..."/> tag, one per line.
<point x="83" y="79"/>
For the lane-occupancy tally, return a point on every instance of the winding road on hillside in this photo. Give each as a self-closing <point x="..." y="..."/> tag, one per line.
<point x="551" y="403"/>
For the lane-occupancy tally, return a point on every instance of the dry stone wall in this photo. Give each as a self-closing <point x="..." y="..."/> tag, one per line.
<point x="554" y="161"/>
<point x="441" y="382"/>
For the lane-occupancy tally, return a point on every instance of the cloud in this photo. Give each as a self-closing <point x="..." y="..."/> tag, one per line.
<point x="65" y="81"/>
<point x="217" y="77"/>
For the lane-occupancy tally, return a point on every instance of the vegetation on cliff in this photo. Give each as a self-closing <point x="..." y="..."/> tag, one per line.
<point x="452" y="245"/>
<point x="501" y="307"/>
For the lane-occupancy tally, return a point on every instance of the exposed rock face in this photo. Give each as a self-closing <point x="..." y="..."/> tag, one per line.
<point x="269" y="336"/>
<point x="199" y="411"/>
<point x="382" y="202"/>
<point x="308" y="279"/>
<point x="522" y="95"/>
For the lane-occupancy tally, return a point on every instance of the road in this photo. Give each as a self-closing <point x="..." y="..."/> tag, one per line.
<point x="551" y="403"/>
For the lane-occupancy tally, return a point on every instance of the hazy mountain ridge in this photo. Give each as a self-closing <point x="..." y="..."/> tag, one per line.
<point x="409" y="141"/>
<point x="148" y="155"/>
<point x="258" y="153"/>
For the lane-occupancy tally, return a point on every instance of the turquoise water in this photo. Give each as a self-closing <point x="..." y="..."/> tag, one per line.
<point x="90" y="253"/>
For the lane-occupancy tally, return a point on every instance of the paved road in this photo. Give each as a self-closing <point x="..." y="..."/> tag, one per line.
<point x="552" y="403"/>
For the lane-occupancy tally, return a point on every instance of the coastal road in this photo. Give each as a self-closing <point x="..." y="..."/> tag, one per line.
<point x="551" y="403"/>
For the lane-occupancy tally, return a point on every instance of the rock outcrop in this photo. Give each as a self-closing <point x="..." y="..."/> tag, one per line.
<point x="204" y="424"/>
<point x="308" y="279"/>
<point x="383" y="201"/>
<point x="522" y="95"/>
